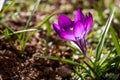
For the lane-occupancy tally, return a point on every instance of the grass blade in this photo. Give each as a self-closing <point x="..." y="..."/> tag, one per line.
<point x="39" y="26"/>
<point x="18" y="32"/>
<point x="104" y="58"/>
<point x="102" y="39"/>
<point x="48" y="24"/>
<point x="23" y="42"/>
<point x="32" y="13"/>
<point x="6" y="8"/>
<point x="10" y="30"/>
<point x="44" y="21"/>
<point x="115" y="40"/>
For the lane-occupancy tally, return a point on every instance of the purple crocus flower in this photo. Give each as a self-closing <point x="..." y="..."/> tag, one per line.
<point x="76" y="30"/>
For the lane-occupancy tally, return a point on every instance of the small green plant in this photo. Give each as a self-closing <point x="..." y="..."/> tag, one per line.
<point x="22" y="37"/>
<point x="95" y="67"/>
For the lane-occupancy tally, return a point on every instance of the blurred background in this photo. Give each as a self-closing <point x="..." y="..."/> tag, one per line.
<point x="46" y="41"/>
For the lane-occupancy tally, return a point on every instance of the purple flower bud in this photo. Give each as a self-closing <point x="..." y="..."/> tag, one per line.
<point x="76" y="30"/>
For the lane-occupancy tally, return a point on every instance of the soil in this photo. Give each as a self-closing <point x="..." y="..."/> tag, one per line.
<point x="15" y="67"/>
<point x="28" y="67"/>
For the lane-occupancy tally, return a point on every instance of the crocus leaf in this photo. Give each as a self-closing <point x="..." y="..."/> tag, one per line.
<point x="70" y="62"/>
<point x="91" y="68"/>
<point x="115" y="40"/>
<point x="102" y="38"/>
<point x="79" y="74"/>
<point x="59" y="59"/>
<point x="116" y="61"/>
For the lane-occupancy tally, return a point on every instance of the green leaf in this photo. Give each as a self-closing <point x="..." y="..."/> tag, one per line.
<point x="79" y="74"/>
<point x="23" y="37"/>
<point x="103" y="59"/>
<point x="44" y="21"/>
<point x="70" y="62"/>
<point x="91" y="68"/>
<point x="7" y="7"/>
<point x="10" y="30"/>
<point x="32" y="13"/>
<point x="18" y="32"/>
<point x="115" y="40"/>
<point x="102" y="38"/>
<point x="48" y="24"/>
<point x="39" y="26"/>
<point x="59" y="59"/>
<point x="116" y="61"/>
<point x="7" y="33"/>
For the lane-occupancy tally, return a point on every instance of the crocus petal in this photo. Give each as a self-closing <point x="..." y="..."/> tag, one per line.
<point x="89" y="21"/>
<point x="79" y="16"/>
<point x="65" y="22"/>
<point x="66" y="36"/>
<point x="79" y="30"/>
<point x="56" y="27"/>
